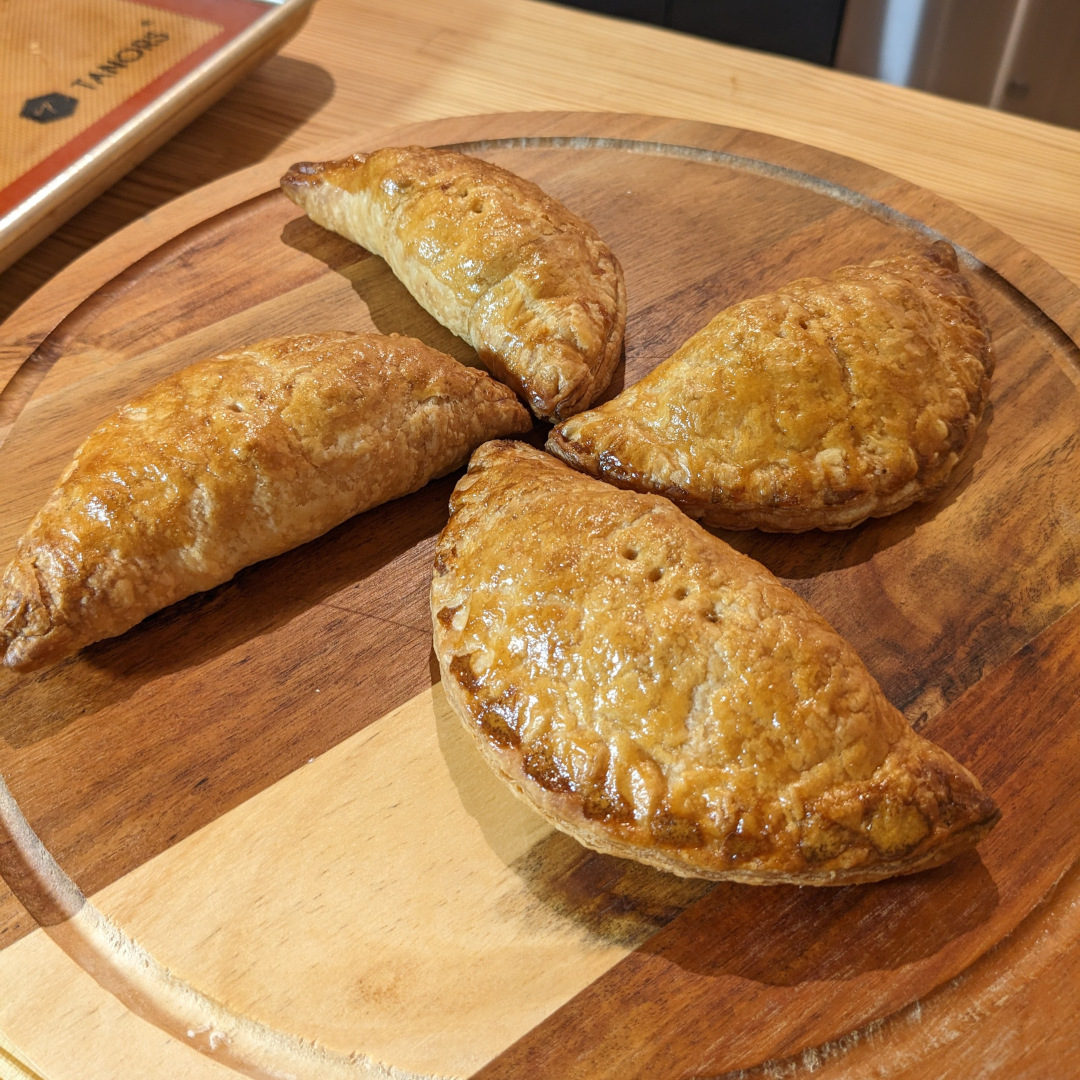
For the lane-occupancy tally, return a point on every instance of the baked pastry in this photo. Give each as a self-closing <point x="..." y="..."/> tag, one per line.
<point x="816" y="406"/>
<point x="660" y="696"/>
<point x="230" y="461"/>
<point x="532" y="288"/>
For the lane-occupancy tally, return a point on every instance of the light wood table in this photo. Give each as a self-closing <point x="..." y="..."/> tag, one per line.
<point x="366" y="64"/>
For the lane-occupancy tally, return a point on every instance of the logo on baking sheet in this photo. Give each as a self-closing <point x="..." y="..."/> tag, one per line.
<point x="123" y="58"/>
<point x="55" y="105"/>
<point x="48" y="107"/>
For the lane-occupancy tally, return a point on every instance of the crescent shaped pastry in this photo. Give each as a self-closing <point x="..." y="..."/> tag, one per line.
<point x="660" y="696"/>
<point x="816" y="406"/>
<point x="230" y="461"/>
<point x="532" y="288"/>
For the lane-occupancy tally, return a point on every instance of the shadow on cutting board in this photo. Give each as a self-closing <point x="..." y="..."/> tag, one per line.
<point x="613" y="901"/>
<point x="784" y="935"/>
<point x="390" y="307"/>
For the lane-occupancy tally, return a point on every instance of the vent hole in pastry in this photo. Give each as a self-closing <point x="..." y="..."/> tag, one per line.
<point x="630" y="553"/>
<point x="711" y="615"/>
<point x="682" y="592"/>
<point x="477" y="206"/>
<point x="236" y="406"/>
<point x="656" y="573"/>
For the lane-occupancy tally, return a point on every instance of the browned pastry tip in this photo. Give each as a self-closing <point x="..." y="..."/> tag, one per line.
<point x="307" y="173"/>
<point x="233" y="460"/>
<point x="660" y="696"/>
<point x="943" y="253"/>
<point x="819" y="405"/>
<point x="528" y="284"/>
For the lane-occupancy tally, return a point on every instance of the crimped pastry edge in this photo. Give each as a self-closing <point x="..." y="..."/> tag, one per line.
<point x="589" y="391"/>
<point x="563" y="814"/>
<point x="716" y="516"/>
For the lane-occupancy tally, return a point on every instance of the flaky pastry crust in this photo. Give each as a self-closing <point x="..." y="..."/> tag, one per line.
<point x="230" y="461"/>
<point x="660" y="696"/>
<point x="507" y="268"/>
<point x="816" y="406"/>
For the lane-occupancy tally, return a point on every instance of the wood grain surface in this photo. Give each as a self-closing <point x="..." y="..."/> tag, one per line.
<point x="143" y="757"/>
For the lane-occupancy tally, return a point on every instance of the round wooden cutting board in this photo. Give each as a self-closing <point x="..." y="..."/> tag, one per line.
<point x="253" y="819"/>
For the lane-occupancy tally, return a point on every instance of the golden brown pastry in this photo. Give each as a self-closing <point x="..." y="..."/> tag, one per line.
<point x="815" y="406"/>
<point x="230" y="461"/>
<point x="532" y="288"/>
<point x="660" y="696"/>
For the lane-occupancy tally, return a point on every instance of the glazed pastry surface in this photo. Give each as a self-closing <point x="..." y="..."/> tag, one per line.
<point x="818" y="405"/>
<point x="230" y="461"/>
<point x="660" y="696"/>
<point x="510" y="270"/>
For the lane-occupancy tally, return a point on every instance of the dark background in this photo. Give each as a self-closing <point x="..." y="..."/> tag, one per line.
<point x="805" y="29"/>
<point x="1020" y="56"/>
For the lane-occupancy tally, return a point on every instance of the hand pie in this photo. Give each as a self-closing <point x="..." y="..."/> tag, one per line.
<point x="815" y="406"/>
<point x="532" y="288"/>
<point x="660" y="696"/>
<point x="232" y="460"/>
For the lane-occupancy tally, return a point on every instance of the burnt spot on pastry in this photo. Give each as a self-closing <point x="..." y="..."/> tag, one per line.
<point x="955" y="806"/>
<point x="303" y="169"/>
<point x="461" y="669"/>
<point x="669" y="830"/>
<point x="610" y="808"/>
<point x="538" y="763"/>
<point x="494" y="716"/>
<point x="738" y="846"/>
<point x="823" y="840"/>
<point x="446" y="615"/>
<point x="832" y="497"/>
<point x="944" y="254"/>
<point x="496" y="720"/>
